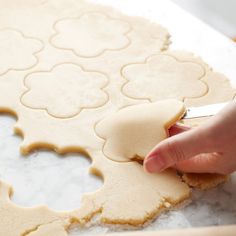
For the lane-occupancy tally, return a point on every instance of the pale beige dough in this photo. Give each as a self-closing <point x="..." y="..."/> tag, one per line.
<point x="19" y="221"/>
<point x="91" y="34"/>
<point x="65" y="90"/>
<point x="130" y="195"/>
<point x="133" y="131"/>
<point x="204" y="181"/>
<point x="14" y="44"/>
<point x="35" y="112"/>
<point x="180" y="78"/>
<point x="39" y="30"/>
<point x="219" y="90"/>
<point x="54" y="228"/>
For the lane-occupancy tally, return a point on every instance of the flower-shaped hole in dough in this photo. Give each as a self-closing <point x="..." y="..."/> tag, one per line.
<point x="91" y="34"/>
<point x="164" y="77"/>
<point x="17" y="52"/>
<point x="65" y="90"/>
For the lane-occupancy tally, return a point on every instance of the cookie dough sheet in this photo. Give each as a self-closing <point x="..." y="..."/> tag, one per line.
<point x="38" y="178"/>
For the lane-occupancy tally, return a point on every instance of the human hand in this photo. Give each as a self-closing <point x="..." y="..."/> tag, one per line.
<point x="208" y="148"/>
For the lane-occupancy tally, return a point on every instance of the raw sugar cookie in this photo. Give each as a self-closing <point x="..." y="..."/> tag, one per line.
<point x="72" y="73"/>
<point x="133" y="131"/>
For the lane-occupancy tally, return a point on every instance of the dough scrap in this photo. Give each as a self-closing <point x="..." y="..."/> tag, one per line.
<point x="17" y="221"/>
<point x="65" y="90"/>
<point x="119" y="200"/>
<point x="14" y="44"/>
<point x="133" y="131"/>
<point x="204" y="181"/>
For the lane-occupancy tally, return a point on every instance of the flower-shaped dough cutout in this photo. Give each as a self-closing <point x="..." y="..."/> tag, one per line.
<point x="17" y="52"/>
<point x="133" y="131"/>
<point x="65" y="90"/>
<point x="163" y="77"/>
<point x="91" y="34"/>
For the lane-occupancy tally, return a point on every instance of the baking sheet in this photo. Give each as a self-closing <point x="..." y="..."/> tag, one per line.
<point x="59" y="181"/>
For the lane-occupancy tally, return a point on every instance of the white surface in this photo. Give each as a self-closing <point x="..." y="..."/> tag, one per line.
<point x="60" y="181"/>
<point x="187" y="32"/>
<point x="220" y="14"/>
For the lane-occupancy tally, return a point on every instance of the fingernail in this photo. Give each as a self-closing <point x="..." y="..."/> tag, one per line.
<point x="154" y="164"/>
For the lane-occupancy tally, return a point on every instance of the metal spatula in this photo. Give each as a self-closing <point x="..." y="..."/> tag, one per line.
<point x="204" y="111"/>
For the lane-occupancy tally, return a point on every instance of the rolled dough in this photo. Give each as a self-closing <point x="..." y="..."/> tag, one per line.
<point x="204" y="181"/>
<point x="181" y="78"/>
<point x="80" y="89"/>
<point x="21" y="221"/>
<point x="74" y="65"/>
<point x="130" y="195"/>
<point x="13" y="40"/>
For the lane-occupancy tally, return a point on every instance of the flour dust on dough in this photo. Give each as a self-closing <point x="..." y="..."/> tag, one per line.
<point x="133" y="131"/>
<point x="45" y="36"/>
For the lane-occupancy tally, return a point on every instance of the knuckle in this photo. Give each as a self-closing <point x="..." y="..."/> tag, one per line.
<point x="175" y="151"/>
<point x="210" y="140"/>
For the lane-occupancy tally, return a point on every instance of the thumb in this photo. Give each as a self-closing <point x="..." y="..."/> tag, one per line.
<point x="204" y="163"/>
<point x="178" y="148"/>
